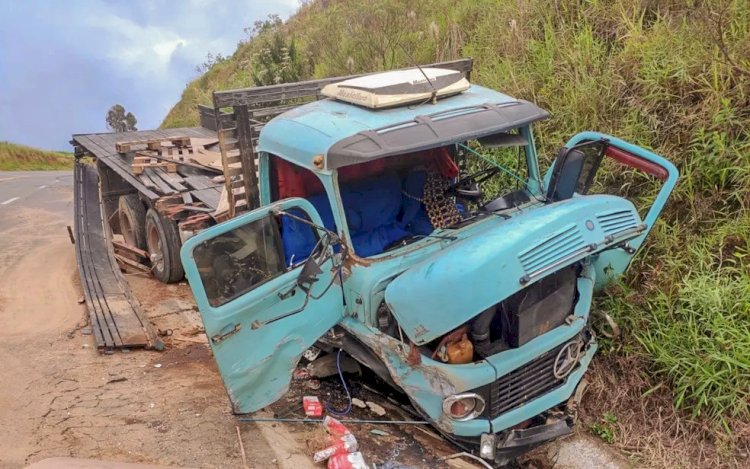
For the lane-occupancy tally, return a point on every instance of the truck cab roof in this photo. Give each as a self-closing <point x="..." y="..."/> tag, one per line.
<point x="346" y="134"/>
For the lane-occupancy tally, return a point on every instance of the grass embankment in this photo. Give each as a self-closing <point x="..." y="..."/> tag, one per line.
<point x="673" y="76"/>
<point x="14" y="157"/>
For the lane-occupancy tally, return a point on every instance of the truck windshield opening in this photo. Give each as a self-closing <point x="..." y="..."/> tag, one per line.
<point x="391" y="202"/>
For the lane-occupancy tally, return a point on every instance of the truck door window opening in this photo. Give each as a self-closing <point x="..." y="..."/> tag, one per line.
<point x="291" y="180"/>
<point x="238" y="261"/>
<point x="503" y="175"/>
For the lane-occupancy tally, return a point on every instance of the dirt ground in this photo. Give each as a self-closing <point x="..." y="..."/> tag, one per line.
<point x="61" y="397"/>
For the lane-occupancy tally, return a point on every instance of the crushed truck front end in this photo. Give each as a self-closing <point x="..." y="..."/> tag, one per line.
<point x="424" y="241"/>
<point x="530" y="335"/>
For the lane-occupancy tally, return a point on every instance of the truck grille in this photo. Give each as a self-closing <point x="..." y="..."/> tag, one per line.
<point x="556" y="247"/>
<point x="524" y="384"/>
<point x="617" y="221"/>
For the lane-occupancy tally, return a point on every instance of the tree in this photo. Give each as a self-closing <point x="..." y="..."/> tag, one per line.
<point x="210" y="61"/>
<point x="277" y="60"/>
<point x="120" y="121"/>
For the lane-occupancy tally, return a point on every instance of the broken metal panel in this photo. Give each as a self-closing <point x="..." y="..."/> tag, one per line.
<point x="493" y="264"/>
<point x="428" y="382"/>
<point x="116" y="317"/>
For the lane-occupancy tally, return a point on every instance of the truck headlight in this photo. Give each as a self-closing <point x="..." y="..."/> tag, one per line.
<point x="464" y="406"/>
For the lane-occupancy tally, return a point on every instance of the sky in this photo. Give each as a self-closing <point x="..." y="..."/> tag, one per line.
<point x="63" y="64"/>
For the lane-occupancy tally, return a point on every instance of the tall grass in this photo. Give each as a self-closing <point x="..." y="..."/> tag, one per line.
<point x="696" y="330"/>
<point x="15" y="157"/>
<point x="672" y="75"/>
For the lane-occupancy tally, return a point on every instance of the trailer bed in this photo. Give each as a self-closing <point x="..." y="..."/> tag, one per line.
<point x="154" y="183"/>
<point x="117" y="321"/>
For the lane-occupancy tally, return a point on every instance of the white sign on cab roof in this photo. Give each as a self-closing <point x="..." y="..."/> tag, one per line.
<point x="398" y="88"/>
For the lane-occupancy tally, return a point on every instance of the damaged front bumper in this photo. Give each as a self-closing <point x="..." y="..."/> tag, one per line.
<point x="505" y="447"/>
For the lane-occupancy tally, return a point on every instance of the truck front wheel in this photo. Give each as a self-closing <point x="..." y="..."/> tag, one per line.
<point x="163" y="242"/>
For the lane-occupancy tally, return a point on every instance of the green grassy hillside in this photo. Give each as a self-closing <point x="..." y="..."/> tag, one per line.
<point x="671" y="75"/>
<point x="15" y="157"/>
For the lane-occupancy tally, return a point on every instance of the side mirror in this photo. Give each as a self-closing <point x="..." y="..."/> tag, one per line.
<point x="312" y="266"/>
<point x="310" y="271"/>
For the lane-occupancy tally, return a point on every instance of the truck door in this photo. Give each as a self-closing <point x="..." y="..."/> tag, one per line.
<point x="578" y="166"/>
<point x="262" y="306"/>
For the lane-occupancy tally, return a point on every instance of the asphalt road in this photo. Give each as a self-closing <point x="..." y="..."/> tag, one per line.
<point x="46" y="190"/>
<point x="38" y="300"/>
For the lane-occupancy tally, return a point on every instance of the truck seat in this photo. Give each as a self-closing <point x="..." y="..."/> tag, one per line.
<point x="372" y="206"/>
<point x="376" y="210"/>
<point x="299" y="239"/>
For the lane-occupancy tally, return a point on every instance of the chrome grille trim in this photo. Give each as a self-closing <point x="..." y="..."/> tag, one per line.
<point x="616" y="221"/>
<point x="558" y="246"/>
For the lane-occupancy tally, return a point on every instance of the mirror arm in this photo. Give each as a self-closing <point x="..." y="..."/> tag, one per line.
<point x="278" y="212"/>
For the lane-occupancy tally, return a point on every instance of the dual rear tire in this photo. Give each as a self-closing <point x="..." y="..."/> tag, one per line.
<point x="154" y="233"/>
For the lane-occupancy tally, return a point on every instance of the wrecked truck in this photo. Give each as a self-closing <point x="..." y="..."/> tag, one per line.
<point x="404" y="219"/>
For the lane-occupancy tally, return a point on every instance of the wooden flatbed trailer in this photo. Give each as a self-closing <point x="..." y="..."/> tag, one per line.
<point x="154" y="191"/>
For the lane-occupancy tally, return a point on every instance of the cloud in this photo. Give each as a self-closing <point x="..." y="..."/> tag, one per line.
<point x="63" y="64"/>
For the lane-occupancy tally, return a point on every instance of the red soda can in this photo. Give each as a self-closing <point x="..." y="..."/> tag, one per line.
<point x="312" y="406"/>
<point x="347" y="461"/>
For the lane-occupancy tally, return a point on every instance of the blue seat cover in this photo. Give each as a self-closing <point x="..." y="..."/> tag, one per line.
<point x="377" y="213"/>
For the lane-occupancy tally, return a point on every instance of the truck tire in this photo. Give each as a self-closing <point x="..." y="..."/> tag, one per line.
<point x="132" y="216"/>
<point x="163" y="243"/>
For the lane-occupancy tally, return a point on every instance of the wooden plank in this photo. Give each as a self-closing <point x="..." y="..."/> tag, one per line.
<point x="89" y="146"/>
<point x="163" y="187"/>
<point x="122" y="168"/>
<point x="115" y="319"/>
<point x="104" y="142"/>
<point x="116" y="164"/>
<point x="188" y="163"/>
<point x="103" y="147"/>
<point x="131" y="263"/>
<point x="270" y="112"/>
<point x="146" y="181"/>
<point x="127" y="247"/>
<point x="209" y="196"/>
<point x="199" y="182"/>
<point x="310" y="88"/>
<point x="244" y="138"/>
<point x="143" y="161"/>
<point x="172" y="179"/>
<point x="212" y="119"/>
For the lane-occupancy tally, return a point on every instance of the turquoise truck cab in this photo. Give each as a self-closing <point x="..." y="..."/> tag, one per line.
<point x="413" y="229"/>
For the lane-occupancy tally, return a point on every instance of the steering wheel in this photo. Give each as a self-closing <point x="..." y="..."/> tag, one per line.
<point x="475" y="178"/>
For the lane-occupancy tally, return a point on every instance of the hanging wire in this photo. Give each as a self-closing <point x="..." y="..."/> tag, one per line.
<point x="348" y="409"/>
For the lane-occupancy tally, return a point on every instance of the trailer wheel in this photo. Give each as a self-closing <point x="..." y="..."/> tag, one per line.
<point x="163" y="242"/>
<point x="132" y="217"/>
